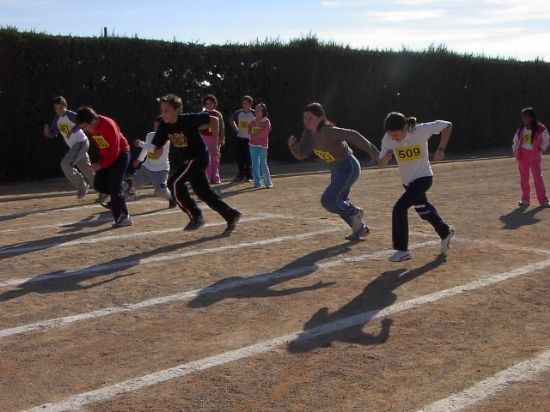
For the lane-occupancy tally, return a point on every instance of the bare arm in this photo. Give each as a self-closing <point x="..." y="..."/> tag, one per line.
<point x="296" y="149"/>
<point x="445" y="136"/>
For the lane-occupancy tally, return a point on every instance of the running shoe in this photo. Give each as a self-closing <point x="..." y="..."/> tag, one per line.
<point x="102" y="198"/>
<point x="400" y="256"/>
<point x="194" y="224"/>
<point x="232" y="223"/>
<point x="123" y="221"/>
<point x="523" y="203"/>
<point x="546" y="204"/>
<point x="81" y="194"/>
<point x="446" y="243"/>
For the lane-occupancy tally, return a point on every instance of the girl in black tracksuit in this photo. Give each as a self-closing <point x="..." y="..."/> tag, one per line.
<point x="189" y="160"/>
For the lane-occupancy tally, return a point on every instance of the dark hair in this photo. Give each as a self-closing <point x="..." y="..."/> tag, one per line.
<point x="529" y="111"/>
<point x="264" y="108"/>
<point x="317" y="110"/>
<point x="173" y="100"/>
<point x="85" y="114"/>
<point x="247" y="98"/>
<point x="211" y="98"/>
<point x="59" y="100"/>
<point x="397" y="121"/>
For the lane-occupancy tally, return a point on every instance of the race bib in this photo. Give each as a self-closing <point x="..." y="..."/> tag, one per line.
<point x="101" y="142"/>
<point x="326" y="156"/>
<point x="152" y="156"/>
<point x="527" y="138"/>
<point x="409" y="153"/>
<point x="178" y="140"/>
<point x="243" y="124"/>
<point x="65" y="129"/>
<point x="256" y="130"/>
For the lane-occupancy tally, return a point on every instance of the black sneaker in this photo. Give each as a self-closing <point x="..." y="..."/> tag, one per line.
<point x="194" y="224"/>
<point x="232" y="223"/>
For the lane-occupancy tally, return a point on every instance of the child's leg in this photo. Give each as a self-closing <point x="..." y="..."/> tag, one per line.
<point x="241" y="153"/>
<point x="255" y="158"/>
<point x="335" y="198"/>
<point x="265" y="168"/>
<point x="523" y="166"/>
<point x="158" y="179"/>
<point x="199" y="183"/>
<point x="141" y="177"/>
<point x="536" y="169"/>
<point x="83" y="163"/>
<point x="428" y="212"/>
<point x="115" y="177"/>
<point x="101" y="181"/>
<point x="68" y="164"/>
<point x="176" y="185"/>
<point x="415" y="193"/>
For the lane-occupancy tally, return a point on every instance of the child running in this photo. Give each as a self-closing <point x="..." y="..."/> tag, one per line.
<point x="213" y="143"/>
<point x="331" y="144"/>
<point x="114" y="156"/>
<point x="153" y="170"/>
<point x="239" y="123"/>
<point x="64" y="124"/>
<point x="189" y="160"/>
<point x="530" y="140"/>
<point x="259" y="129"/>
<point x="408" y="141"/>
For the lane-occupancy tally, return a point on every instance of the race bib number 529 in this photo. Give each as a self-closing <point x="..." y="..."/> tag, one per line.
<point x="409" y="153"/>
<point x="326" y="156"/>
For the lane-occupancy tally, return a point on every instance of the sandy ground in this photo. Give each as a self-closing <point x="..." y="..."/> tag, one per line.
<point x="274" y="277"/>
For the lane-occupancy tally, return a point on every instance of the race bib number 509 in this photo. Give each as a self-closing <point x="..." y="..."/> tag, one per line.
<point x="409" y="153"/>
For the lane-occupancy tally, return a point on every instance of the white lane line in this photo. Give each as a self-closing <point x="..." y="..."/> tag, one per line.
<point x="42" y="212"/>
<point x="256" y="279"/>
<point x="86" y="222"/>
<point x="522" y="372"/>
<point x="128" y="263"/>
<point x="44" y="244"/>
<point x="490" y="243"/>
<point x="105" y="393"/>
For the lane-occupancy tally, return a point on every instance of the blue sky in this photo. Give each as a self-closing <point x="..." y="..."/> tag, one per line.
<point x="507" y="28"/>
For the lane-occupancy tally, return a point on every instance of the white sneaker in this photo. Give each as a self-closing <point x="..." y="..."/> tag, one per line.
<point x="446" y="243"/>
<point x="400" y="256"/>
<point x="546" y="204"/>
<point x="83" y="192"/>
<point x="123" y="220"/>
<point x="357" y="221"/>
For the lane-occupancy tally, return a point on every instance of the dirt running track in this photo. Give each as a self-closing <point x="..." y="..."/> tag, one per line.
<point x="284" y="315"/>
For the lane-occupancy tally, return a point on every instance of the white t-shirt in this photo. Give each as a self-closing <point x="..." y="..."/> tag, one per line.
<point x="243" y="119"/>
<point x="67" y="127"/>
<point x="148" y="152"/>
<point x="412" y="153"/>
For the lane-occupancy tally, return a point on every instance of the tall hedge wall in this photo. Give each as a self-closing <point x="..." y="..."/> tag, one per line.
<point x="122" y="77"/>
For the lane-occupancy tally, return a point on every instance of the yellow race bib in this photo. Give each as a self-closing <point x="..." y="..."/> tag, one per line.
<point x="101" y="142"/>
<point x="178" y="140"/>
<point x="326" y="156"/>
<point x="409" y="153"/>
<point x="151" y="156"/>
<point x="256" y="130"/>
<point x="65" y="129"/>
<point x="243" y="124"/>
<point x="527" y="138"/>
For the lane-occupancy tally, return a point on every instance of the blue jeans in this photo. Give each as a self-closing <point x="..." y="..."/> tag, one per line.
<point x="335" y="199"/>
<point x="259" y="166"/>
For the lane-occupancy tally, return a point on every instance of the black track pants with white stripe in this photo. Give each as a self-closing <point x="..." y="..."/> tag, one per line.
<point x="194" y="172"/>
<point x="415" y="195"/>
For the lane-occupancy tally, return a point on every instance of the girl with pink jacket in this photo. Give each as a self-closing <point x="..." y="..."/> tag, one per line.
<point x="260" y="128"/>
<point x="530" y="141"/>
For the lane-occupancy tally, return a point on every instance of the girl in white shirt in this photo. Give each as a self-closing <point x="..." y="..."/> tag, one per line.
<point x="407" y="140"/>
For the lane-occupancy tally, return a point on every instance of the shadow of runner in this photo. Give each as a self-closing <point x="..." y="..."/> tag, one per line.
<point x="68" y="281"/>
<point x="296" y="269"/>
<point x="376" y="296"/>
<point x="520" y="217"/>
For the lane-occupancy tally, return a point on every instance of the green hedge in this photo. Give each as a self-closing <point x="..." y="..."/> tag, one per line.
<point x="122" y="77"/>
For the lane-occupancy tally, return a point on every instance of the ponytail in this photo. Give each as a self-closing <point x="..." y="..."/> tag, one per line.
<point x="397" y="121"/>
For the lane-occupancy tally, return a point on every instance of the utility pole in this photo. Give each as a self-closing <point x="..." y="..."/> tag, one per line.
<point x="105" y="32"/>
